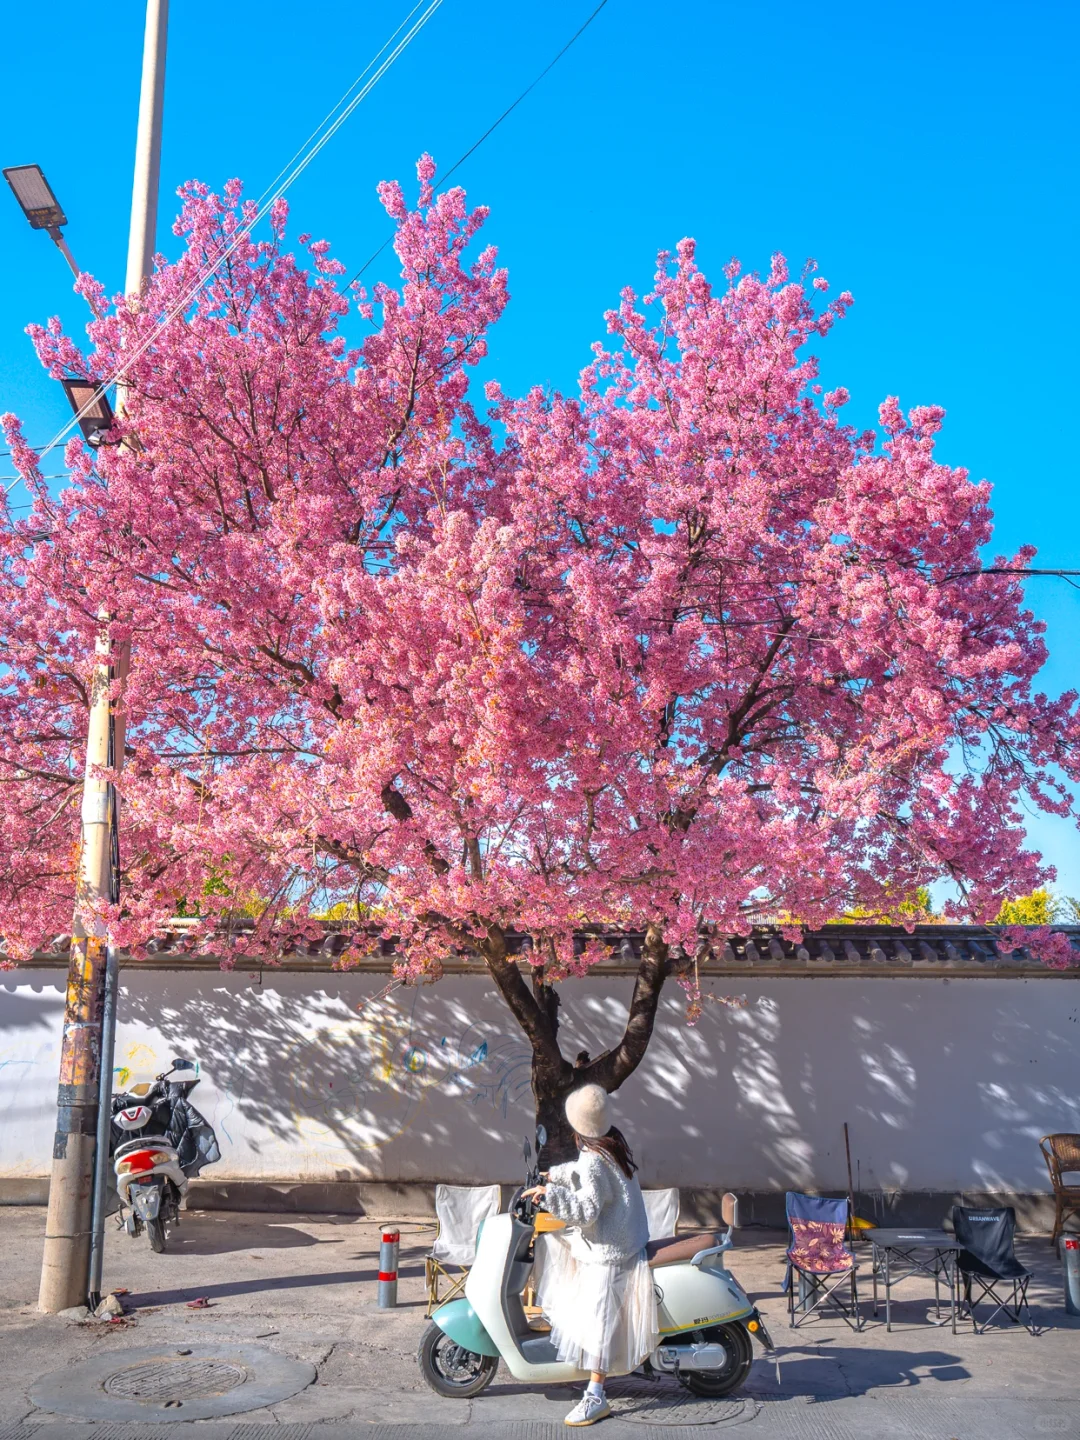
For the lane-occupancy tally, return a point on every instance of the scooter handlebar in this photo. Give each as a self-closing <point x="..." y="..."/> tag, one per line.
<point x="522" y="1209"/>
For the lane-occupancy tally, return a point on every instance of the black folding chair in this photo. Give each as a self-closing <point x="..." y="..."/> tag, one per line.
<point x="987" y="1259"/>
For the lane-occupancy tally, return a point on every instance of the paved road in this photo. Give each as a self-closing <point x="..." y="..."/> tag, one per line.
<point x="304" y="1286"/>
<point x="898" y="1418"/>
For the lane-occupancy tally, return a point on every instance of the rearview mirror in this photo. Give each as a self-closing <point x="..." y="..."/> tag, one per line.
<point x="729" y="1209"/>
<point x="180" y="1064"/>
<point x="526" y="1150"/>
<point x="541" y="1137"/>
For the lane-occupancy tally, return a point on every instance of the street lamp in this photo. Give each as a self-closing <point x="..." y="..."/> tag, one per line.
<point x="40" y="205"/>
<point x="91" y="408"/>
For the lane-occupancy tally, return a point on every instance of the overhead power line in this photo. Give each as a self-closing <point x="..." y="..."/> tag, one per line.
<point x="264" y="203"/>
<point x="267" y="203"/>
<point x="442" y="179"/>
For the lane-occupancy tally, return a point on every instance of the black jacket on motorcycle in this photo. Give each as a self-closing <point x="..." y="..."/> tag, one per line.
<point x="176" y="1121"/>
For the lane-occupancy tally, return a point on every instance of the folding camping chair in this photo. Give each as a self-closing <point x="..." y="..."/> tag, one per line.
<point x="459" y="1210"/>
<point x="1062" y="1156"/>
<point x="819" y="1264"/>
<point x="988" y="1259"/>
<point x="662" y="1208"/>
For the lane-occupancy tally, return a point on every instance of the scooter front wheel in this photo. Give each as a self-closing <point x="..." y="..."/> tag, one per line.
<point x="738" y="1357"/>
<point x="452" y="1370"/>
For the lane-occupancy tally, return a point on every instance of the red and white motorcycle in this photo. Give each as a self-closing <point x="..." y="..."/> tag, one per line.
<point x="168" y="1142"/>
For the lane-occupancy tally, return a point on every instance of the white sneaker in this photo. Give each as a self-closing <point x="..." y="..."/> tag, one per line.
<point x="588" y="1410"/>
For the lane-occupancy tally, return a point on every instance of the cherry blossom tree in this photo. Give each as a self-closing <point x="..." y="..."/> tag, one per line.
<point x="638" y="659"/>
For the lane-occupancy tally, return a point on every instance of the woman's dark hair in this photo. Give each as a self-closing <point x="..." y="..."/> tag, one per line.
<point x="613" y="1145"/>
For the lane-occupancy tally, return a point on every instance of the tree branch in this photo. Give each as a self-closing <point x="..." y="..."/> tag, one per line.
<point x="534" y="1020"/>
<point x="612" y="1069"/>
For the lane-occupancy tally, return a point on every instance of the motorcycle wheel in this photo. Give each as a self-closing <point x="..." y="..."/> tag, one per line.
<point x="738" y="1357"/>
<point x="450" y="1369"/>
<point x="156" y="1231"/>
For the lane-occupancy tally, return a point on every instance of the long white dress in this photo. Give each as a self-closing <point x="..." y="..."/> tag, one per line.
<point x="601" y="1303"/>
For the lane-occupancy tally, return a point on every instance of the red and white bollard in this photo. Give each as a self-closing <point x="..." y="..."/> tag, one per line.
<point x="1070" y="1259"/>
<point x="388" y="1262"/>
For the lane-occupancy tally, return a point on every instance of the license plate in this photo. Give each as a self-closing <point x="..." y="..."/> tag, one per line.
<point x="148" y="1203"/>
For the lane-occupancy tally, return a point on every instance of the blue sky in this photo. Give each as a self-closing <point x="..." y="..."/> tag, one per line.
<point x="924" y="155"/>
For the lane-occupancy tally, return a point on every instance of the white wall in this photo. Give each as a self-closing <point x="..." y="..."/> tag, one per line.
<point x="945" y="1084"/>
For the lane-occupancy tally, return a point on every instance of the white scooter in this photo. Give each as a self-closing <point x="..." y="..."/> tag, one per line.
<point x="150" y="1180"/>
<point x="705" y="1319"/>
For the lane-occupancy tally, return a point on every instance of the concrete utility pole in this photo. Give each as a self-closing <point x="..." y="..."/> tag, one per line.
<point x="144" y="195"/>
<point x="66" y="1262"/>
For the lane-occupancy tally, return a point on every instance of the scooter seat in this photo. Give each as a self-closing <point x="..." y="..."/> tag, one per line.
<point x="677" y="1249"/>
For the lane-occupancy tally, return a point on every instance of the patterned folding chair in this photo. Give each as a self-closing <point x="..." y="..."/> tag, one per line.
<point x="460" y="1210"/>
<point x="821" y="1270"/>
<point x="1062" y="1156"/>
<point x="988" y="1260"/>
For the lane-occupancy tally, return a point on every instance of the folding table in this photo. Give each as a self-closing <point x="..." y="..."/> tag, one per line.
<point x="897" y="1257"/>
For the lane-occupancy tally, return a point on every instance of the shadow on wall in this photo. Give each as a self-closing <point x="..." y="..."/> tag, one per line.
<point x="31" y="1018"/>
<point x="306" y="1078"/>
<point x="309" y="1069"/>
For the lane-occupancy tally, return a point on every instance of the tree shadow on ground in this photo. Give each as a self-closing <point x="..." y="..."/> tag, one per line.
<point x="839" y="1372"/>
<point x="843" y="1370"/>
<point x="199" y="1233"/>
<point x="259" y="1284"/>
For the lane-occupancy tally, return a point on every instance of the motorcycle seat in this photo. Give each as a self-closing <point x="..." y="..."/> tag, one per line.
<point x="677" y="1249"/>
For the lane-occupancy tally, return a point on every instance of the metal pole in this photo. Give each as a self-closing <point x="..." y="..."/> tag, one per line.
<point x="65" y="1267"/>
<point x="57" y="237"/>
<point x="108" y="1025"/>
<point x="104" y="1125"/>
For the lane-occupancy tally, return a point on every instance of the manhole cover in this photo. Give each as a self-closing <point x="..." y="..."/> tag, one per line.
<point x="207" y="1382"/>
<point x="182" y="1380"/>
<point x="665" y="1402"/>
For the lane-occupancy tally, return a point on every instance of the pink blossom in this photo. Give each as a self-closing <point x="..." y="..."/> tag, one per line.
<point x="650" y="655"/>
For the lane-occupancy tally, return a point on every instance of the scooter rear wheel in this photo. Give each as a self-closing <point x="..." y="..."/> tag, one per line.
<point x="156" y="1231"/>
<point x="739" y="1356"/>
<point x="452" y="1370"/>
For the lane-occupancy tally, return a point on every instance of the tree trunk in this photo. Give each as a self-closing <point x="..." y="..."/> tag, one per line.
<point x="550" y="1087"/>
<point x="553" y="1076"/>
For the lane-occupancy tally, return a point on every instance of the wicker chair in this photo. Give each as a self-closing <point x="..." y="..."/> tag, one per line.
<point x="1062" y="1156"/>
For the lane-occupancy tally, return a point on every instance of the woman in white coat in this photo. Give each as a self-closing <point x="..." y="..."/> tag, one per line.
<point x="595" y="1287"/>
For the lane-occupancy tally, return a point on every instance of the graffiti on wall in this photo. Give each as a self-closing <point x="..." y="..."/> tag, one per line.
<point x="359" y="1083"/>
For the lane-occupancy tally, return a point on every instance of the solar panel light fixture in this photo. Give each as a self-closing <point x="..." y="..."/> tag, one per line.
<point x="97" y="418"/>
<point x="34" y="194"/>
<point x="40" y="205"/>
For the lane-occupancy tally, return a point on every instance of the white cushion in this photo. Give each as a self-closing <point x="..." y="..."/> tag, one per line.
<point x="662" y="1208"/>
<point x="460" y="1209"/>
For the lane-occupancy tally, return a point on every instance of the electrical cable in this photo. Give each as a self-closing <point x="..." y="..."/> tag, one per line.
<point x="442" y="179"/>
<point x="328" y="117"/>
<point x="245" y="229"/>
<point x="264" y="207"/>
